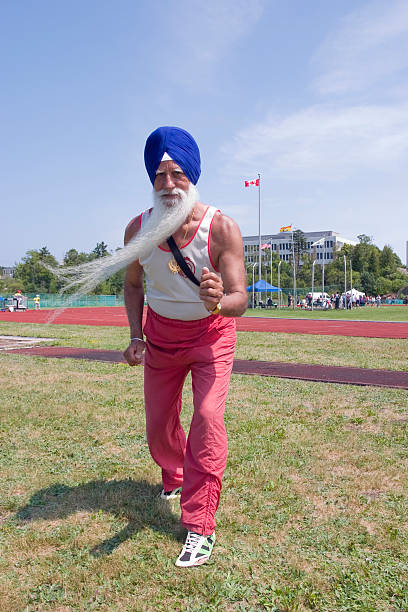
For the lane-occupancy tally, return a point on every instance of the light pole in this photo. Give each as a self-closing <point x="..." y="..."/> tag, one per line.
<point x="294" y="273"/>
<point x="345" y="282"/>
<point x="351" y="285"/>
<point x="323" y="271"/>
<point x="279" y="290"/>
<point x="253" y="284"/>
<point x="313" y="271"/>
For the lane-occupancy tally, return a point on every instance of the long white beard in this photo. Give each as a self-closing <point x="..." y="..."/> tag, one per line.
<point x="163" y="221"/>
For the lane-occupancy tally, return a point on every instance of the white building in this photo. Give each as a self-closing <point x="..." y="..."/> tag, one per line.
<point x="7" y="271"/>
<point x="282" y="246"/>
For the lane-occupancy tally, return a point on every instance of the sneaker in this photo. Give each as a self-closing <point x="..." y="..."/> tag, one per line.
<point x="171" y="494"/>
<point x="196" y="550"/>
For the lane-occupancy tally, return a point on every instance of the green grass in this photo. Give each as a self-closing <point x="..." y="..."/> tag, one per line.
<point x="366" y="313"/>
<point x="380" y="353"/>
<point x="313" y="512"/>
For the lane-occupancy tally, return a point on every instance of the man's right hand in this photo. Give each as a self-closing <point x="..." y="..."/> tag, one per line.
<point x="134" y="352"/>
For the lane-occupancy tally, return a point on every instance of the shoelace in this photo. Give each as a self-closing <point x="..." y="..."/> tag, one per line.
<point x="192" y="541"/>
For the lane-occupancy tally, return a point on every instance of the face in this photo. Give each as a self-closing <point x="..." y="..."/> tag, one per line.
<point x="169" y="176"/>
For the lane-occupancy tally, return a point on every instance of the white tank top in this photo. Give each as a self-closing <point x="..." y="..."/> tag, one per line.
<point x="173" y="295"/>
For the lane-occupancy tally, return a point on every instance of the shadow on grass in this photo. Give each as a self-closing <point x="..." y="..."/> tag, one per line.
<point x="138" y="502"/>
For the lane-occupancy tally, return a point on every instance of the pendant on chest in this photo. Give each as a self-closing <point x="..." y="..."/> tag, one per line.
<point x="174" y="267"/>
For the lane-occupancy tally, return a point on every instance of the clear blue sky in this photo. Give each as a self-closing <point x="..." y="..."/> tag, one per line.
<point x="313" y="95"/>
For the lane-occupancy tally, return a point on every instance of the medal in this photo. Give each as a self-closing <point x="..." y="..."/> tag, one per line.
<point x="173" y="266"/>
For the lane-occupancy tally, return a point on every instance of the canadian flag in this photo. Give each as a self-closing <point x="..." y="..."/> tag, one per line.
<point x="253" y="182"/>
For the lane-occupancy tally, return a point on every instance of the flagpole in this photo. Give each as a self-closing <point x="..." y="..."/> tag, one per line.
<point x="259" y="227"/>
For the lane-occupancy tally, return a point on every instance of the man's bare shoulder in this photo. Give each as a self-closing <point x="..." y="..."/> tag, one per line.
<point x="133" y="226"/>
<point x="224" y="228"/>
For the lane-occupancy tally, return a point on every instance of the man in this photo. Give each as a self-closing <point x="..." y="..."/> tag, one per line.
<point x="188" y="328"/>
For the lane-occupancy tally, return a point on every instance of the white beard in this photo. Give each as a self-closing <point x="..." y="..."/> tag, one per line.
<point x="163" y="221"/>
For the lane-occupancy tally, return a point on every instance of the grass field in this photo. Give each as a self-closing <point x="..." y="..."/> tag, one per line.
<point x="366" y="313"/>
<point x="300" y="348"/>
<point x="313" y="513"/>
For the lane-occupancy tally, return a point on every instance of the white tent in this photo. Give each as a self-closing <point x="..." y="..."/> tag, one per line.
<point x="355" y="293"/>
<point x="318" y="294"/>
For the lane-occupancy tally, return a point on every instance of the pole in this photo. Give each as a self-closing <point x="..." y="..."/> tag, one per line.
<point x="323" y="273"/>
<point x="313" y="270"/>
<point x="351" y="284"/>
<point x="279" y="291"/>
<point x="253" y="285"/>
<point x="271" y="268"/>
<point x="345" y="281"/>
<point x="294" y="273"/>
<point x="259" y="227"/>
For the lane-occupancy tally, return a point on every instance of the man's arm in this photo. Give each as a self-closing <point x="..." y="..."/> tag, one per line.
<point x="228" y="254"/>
<point x="134" y="302"/>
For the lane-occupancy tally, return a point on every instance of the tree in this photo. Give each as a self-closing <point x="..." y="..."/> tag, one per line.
<point x="101" y="250"/>
<point x="73" y="258"/>
<point x="32" y="273"/>
<point x="374" y="262"/>
<point x="10" y="285"/>
<point x="387" y="261"/>
<point x="369" y="283"/>
<point x="304" y="274"/>
<point x="364" y="239"/>
<point x="299" y="246"/>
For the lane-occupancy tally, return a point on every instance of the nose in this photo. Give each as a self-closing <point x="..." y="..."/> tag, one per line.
<point x="168" y="181"/>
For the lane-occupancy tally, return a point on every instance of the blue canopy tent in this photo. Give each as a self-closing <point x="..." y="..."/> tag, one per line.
<point x="261" y="286"/>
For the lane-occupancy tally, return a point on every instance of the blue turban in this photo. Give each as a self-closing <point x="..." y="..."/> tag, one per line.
<point x="180" y="146"/>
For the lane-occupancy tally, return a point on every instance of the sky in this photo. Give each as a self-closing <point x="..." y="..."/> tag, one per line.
<point x="310" y="95"/>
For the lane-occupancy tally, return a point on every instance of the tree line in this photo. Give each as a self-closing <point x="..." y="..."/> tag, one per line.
<point x="375" y="271"/>
<point x="31" y="276"/>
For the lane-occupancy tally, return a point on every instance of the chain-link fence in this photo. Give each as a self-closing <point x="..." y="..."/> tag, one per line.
<point x="54" y="300"/>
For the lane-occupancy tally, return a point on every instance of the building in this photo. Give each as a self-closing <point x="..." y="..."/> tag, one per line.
<point x="282" y="246"/>
<point x="6" y="271"/>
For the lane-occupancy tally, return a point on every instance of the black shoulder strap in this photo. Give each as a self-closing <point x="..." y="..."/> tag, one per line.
<point x="181" y="261"/>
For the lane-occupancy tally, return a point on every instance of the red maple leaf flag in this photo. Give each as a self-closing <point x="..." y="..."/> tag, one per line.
<point x="254" y="182"/>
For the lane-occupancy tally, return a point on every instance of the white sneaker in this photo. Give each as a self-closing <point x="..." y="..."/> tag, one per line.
<point x="171" y="494"/>
<point x="196" y="550"/>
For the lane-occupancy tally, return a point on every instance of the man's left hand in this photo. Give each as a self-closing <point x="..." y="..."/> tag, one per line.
<point x="211" y="289"/>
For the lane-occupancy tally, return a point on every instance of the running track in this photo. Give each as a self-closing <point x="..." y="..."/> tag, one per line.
<point x="301" y="371"/>
<point x="116" y="316"/>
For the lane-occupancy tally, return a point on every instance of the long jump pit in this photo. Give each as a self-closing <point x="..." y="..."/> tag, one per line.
<point x="116" y="316"/>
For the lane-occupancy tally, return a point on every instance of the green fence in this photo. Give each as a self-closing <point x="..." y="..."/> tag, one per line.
<point x="51" y="300"/>
<point x="54" y="300"/>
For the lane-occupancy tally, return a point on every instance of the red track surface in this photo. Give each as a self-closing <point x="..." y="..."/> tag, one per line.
<point x="116" y="316"/>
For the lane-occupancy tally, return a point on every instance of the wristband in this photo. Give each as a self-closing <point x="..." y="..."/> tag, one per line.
<point x="141" y="339"/>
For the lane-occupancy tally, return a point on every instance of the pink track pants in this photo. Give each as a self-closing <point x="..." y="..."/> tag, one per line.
<point x="206" y="348"/>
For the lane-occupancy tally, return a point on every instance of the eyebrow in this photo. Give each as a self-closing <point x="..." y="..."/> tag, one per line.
<point x="179" y="170"/>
